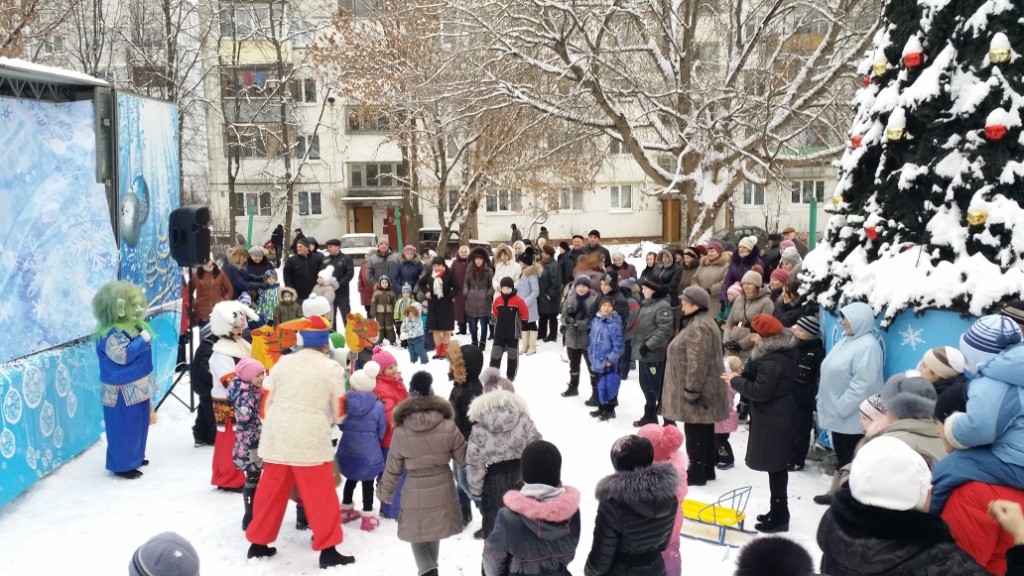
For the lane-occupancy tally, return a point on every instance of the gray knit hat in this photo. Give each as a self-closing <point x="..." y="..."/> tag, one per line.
<point x="698" y="296"/>
<point x="166" y="554"/>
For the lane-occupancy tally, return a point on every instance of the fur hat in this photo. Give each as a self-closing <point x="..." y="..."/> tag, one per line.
<point x="952" y="399"/>
<point x="365" y="379"/>
<point x="166" y="554"/>
<point x="315" y="305"/>
<point x="909" y="398"/>
<point x="383" y="358"/>
<point x="632" y="453"/>
<point x="582" y="279"/>
<point x="526" y="257"/>
<point x="774" y="556"/>
<point x="780" y="275"/>
<point x="945" y="361"/>
<point x="228" y="314"/>
<point x="873" y="408"/>
<point x="697" y="296"/>
<point x="247" y="369"/>
<point x="257" y="251"/>
<point x="541" y="463"/>
<point x="749" y="242"/>
<point x="492" y="379"/>
<point x="655" y="286"/>
<point x="735" y="290"/>
<point x="420" y="384"/>
<point x="666" y="440"/>
<point x="889" y="474"/>
<point x="791" y="256"/>
<point x="986" y="338"/>
<point x="716" y="246"/>
<point x="809" y="324"/>
<point x="326" y="273"/>
<point x="766" y="325"/>
<point x="752" y="277"/>
<point x="289" y="291"/>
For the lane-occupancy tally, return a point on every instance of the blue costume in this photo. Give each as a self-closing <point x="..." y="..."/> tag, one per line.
<point x="126" y="373"/>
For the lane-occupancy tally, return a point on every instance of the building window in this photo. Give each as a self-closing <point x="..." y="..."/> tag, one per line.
<point x="303" y="90"/>
<point x="804" y="190"/>
<point x="259" y="20"/>
<point x="452" y="200"/>
<point x="569" y="199"/>
<point x="617" y="147"/>
<point x="504" y="201"/>
<point x="367" y="120"/>
<point x="308" y="142"/>
<point x="622" y="197"/>
<point x="53" y="44"/>
<point x="753" y="194"/>
<point x="253" y="140"/>
<point x="362" y="8"/>
<point x="253" y="203"/>
<point x="377" y="175"/>
<point x="309" y="204"/>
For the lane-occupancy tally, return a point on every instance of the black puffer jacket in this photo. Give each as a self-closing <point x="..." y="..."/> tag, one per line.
<point x="501" y="478"/>
<point x="463" y="393"/>
<point x="857" y="539"/>
<point x="767" y="382"/>
<point x="635" y="514"/>
<point x="532" y="537"/>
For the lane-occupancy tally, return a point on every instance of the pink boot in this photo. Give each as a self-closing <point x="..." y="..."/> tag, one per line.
<point x="370" y="521"/>
<point x="348" y="514"/>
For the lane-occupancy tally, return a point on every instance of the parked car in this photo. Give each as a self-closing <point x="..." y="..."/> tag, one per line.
<point x="358" y="245"/>
<point x="429" y="237"/>
<point x="728" y="238"/>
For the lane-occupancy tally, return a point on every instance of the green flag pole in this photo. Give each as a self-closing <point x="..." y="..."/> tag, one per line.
<point x="398" y="224"/>
<point x="812" y="235"/>
<point x="248" y="238"/>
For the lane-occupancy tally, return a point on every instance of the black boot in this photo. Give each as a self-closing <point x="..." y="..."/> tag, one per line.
<point x="261" y="551"/>
<point x="777" y="520"/>
<point x="593" y="401"/>
<point x="462" y="329"/>
<point x="331" y="557"/>
<point x="300" y="518"/>
<point x="607" y="412"/>
<point x="467" y="514"/>
<point x="511" y="369"/>
<point x="574" y="386"/>
<point x="248" y="495"/>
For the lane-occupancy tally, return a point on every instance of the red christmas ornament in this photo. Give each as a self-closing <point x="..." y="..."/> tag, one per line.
<point x="856" y="141"/>
<point x="995" y="132"/>
<point x="913" y="60"/>
<point x="872" y="233"/>
<point x="867" y="81"/>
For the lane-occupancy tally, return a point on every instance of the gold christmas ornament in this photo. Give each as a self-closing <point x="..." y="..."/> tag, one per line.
<point x="895" y="133"/>
<point x="896" y="127"/>
<point x="999" y="49"/>
<point x="977" y="217"/>
<point x="999" y="56"/>
<point x="880" y="67"/>
<point x="837" y="200"/>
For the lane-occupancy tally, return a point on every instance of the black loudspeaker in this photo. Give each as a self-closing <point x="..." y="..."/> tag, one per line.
<point x="189" y="233"/>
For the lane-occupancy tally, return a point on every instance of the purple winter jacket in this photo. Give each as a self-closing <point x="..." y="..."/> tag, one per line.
<point x="739" y="266"/>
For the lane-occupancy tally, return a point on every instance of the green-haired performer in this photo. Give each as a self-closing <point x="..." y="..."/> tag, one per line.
<point x="126" y="373"/>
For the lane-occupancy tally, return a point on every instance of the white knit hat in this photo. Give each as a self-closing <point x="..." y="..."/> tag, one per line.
<point x="365" y="379"/>
<point x="749" y="242"/>
<point x="887" y="473"/>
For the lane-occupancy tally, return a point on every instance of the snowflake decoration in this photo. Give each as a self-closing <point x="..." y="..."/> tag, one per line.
<point x="6" y="113"/>
<point x="912" y="337"/>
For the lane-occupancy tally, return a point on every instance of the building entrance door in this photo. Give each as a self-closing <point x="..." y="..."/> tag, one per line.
<point x="363" y="219"/>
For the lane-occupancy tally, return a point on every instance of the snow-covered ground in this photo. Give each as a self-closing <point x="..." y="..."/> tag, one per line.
<point x="82" y="519"/>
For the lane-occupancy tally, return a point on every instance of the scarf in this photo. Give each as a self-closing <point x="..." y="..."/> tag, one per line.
<point x="438" y="284"/>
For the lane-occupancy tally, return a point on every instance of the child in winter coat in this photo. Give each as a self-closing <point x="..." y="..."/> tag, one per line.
<point x="510" y="312"/>
<point x="605" y="346"/>
<point x="636" y="512"/>
<point x="805" y="388"/>
<point x="731" y="295"/>
<point x="391" y="391"/>
<point x="326" y="284"/>
<point x="359" y="451"/>
<point x="245" y="392"/>
<point x="268" y="297"/>
<point x="666" y="441"/>
<point x="403" y="302"/>
<point x="539" y="528"/>
<point x="287" y="308"/>
<point x="726" y="458"/>
<point x="466" y="363"/>
<point x="502" y="429"/>
<point x="383" y="303"/>
<point x="576" y="328"/>
<point x="412" y="334"/>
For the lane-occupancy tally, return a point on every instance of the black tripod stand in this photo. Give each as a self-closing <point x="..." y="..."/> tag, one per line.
<point x="183" y="367"/>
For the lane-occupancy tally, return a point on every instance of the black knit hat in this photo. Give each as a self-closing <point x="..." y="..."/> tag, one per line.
<point x="541" y="463"/>
<point x="952" y="399"/>
<point x="774" y="556"/>
<point x="506" y="282"/>
<point x="420" y="384"/>
<point x="632" y="453"/>
<point x="526" y="257"/>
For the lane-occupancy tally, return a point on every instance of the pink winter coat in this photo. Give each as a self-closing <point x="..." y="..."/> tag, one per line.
<point x="732" y="423"/>
<point x="667" y="441"/>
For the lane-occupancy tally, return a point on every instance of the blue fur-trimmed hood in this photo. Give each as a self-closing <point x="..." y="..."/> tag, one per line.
<point x="643" y="490"/>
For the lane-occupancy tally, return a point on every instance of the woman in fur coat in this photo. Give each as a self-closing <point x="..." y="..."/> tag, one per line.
<point x="539" y="528"/>
<point x="636" y="511"/>
<point x="502" y="429"/>
<point x="767" y="382"/>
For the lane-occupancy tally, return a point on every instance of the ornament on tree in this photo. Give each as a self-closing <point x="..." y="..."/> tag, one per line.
<point x="872" y="233"/>
<point x="867" y="81"/>
<point x="896" y="127"/>
<point x="977" y="217"/>
<point x="837" y="200"/>
<point x="999" y="49"/>
<point x="996" y="123"/>
<point x="856" y="140"/>
<point x="880" y="65"/>
<point x="913" y="53"/>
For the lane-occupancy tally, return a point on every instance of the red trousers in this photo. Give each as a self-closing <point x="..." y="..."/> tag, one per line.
<point x="225" y="473"/>
<point x="319" y="498"/>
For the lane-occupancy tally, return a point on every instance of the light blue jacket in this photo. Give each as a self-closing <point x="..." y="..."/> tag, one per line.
<point x="529" y="290"/>
<point x="995" y="408"/>
<point x="851" y="372"/>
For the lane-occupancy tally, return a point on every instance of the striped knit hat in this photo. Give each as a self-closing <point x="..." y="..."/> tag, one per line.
<point x="986" y="338"/>
<point x="809" y="324"/>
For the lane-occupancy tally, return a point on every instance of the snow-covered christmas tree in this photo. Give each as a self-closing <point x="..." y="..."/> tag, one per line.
<point x="928" y="209"/>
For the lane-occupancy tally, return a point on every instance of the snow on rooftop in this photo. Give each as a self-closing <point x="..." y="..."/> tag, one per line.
<point x="24" y="68"/>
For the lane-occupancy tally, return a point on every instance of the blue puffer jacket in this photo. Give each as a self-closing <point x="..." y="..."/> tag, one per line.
<point x="606" y="342"/>
<point x="359" y="454"/>
<point x="529" y="290"/>
<point x="851" y="372"/>
<point x="995" y="409"/>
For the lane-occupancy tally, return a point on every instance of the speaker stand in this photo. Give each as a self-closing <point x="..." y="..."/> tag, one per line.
<point x="183" y="368"/>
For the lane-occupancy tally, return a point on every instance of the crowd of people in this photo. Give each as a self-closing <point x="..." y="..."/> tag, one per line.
<point x="716" y="337"/>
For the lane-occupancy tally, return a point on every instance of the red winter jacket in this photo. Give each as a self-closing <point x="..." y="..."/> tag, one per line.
<point x="390" y="391"/>
<point x="966" y="513"/>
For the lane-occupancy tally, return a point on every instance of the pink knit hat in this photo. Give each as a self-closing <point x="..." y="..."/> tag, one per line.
<point x="786" y="244"/>
<point x="383" y="358"/>
<point x="247" y="369"/>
